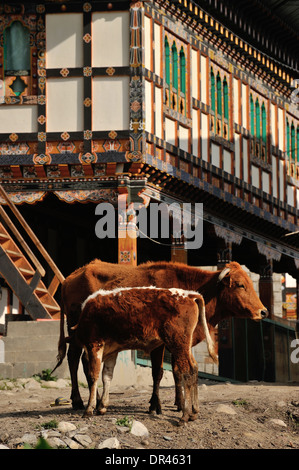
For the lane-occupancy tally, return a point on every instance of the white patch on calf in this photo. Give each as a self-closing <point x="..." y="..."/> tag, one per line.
<point x="119" y="290"/>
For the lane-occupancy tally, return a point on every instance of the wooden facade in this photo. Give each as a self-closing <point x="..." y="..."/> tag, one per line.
<point x="159" y="98"/>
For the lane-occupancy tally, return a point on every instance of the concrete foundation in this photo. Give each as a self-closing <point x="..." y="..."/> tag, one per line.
<point x="30" y="347"/>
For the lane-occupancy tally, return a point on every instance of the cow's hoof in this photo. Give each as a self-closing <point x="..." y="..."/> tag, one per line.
<point x="193" y="417"/>
<point x="153" y="411"/>
<point x="79" y="405"/>
<point x="101" y="411"/>
<point x="182" y="422"/>
<point x="88" y="414"/>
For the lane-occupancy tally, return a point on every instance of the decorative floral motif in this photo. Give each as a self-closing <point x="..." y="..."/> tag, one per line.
<point x="88" y="158"/>
<point x="40" y="8"/>
<point x="87" y="71"/>
<point x="110" y="71"/>
<point x="112" y="135"/>
<point x="13" y="137"/>
<point x="41" y="136"/>
<point x="41" y="99"/>
<point x="135" y="106"/>
<point x="64" y="72"/>
<point x="87" y="135"/>
<point x="87" y="38"/>
<point x="41" y="159"/>
<point x="41" y="119"/>
<point x="65" y="136"/>
<point x="41" y="72"/>
<point x="42" y="83"/>
<point x="125" y="256"/>
<point x="86" y="7"/>
<point x="87" y="102"/>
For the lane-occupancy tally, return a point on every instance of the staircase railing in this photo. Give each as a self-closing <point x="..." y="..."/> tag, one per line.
<point x="58" y="276"/>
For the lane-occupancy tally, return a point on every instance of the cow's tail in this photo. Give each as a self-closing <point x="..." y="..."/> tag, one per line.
<point x="61" y="343"/>
<point x="202" y="316"/>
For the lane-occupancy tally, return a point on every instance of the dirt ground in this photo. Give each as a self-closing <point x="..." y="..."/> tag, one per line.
<point x="231" y="417"/>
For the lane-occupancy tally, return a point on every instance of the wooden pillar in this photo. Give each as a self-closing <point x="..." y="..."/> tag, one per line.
<point x="224" y="253"/>
<point x="179" y="253"/>
<point x="127" y="232"/>
<point x="266" y="287"/>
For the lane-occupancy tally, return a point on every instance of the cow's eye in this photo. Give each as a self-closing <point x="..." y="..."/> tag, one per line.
<point x="241" y="286"/>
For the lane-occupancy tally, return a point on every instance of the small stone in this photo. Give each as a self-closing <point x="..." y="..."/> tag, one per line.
<point x="2" y="446"/>
<point x="111" y="443"/>
<point x="56" y="442"/>
<point x="278" y="422"/>
<point x="123" y="429"/>
<point x="138" y="429"/>
<point x="71" y="443"/>
<point x="65" y="426"/>
<point x="83" y="439"/>
<point x="32" y="384"/>
<point x="226" y="409"/>
<point x="281" y="404"/>
<point x="29" y="439"/>
<point x="167" y="438"/>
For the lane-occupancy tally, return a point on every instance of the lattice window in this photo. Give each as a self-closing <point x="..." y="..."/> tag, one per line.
<point x="17" y="36"/>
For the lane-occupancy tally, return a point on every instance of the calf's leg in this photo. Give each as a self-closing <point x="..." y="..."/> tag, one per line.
<point x="186" y="371"/>
<point x="107" y="376"/>
<point x="157" y="356"/>
<point x="85" y="364"/>
<point x="95" y="354"/>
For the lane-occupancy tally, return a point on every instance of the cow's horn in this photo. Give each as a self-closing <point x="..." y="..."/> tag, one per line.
<point x="223" y="273"/>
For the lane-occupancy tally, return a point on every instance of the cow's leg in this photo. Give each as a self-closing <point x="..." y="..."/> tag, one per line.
<point x="73" y="356"/>
<point x="85" y="364"/>
<point x="107" y="376"/>
<point x="157" y="356"/>
<point x="179" y="397"/>
<point x="95" y="354"/>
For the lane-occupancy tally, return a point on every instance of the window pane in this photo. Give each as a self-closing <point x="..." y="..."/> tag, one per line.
<point x="17" y="49"/>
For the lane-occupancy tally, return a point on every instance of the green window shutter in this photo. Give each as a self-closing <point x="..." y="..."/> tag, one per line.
<point x="288" y="138"/>
<point x="219" y="95"/>
<point x="252" y="116"/>
<point x="264" y="124"/>
<point x="293" y="142"/>
<point x="167" y="61"/>
<point x="183" y="70"/>
<point x="174" y="66"/>
<point x="225" y="98"/>
<point x="257" y="119"/>
<point x="213" y="103"/>
<point x="17" y="49"/>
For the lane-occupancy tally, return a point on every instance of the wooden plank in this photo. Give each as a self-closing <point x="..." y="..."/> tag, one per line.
<point x="53" y="286"/>
<point x="21" y="240"/>
<point x="20" y="287"/>
<point x="32" y="235"/>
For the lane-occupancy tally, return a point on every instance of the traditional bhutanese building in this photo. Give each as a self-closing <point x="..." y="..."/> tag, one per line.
<point x="152" y="102"/>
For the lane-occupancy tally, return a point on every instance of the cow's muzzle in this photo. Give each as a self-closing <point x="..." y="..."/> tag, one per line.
<point x="264" y="313"/>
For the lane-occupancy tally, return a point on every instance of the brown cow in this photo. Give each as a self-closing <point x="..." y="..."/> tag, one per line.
<point x="226" y="293"/>
<point x="142" y="318"/>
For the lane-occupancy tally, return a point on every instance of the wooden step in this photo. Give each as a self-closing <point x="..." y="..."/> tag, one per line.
<point x="26" y="272"/>
<point x="14" y="254"/>
<point x="51" y="308"/>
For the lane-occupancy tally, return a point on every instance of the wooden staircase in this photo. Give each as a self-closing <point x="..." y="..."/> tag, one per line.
<point x="22" y="270"/>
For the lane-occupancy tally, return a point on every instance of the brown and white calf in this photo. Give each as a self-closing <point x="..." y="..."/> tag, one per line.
<point x="142" y="318"/>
